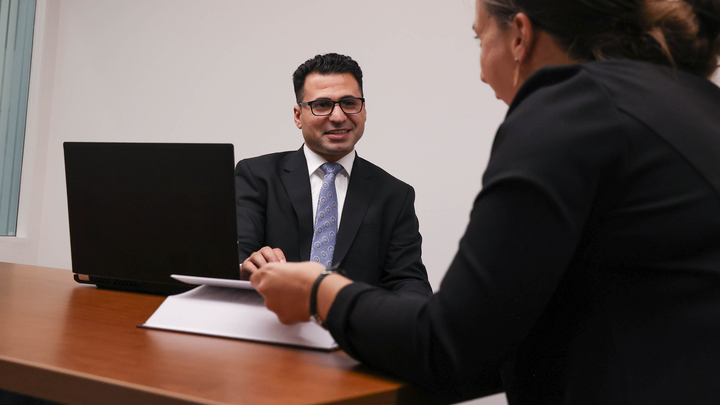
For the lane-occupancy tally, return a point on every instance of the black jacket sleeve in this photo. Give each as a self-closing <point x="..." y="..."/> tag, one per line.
<point x="251" y="205"/>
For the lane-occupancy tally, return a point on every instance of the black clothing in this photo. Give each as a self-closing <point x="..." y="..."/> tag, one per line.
<point x="590" y="270"/>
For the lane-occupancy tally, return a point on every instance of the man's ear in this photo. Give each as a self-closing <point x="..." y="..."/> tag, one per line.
<point x="296" y="116"/>
<point x="524" y="38"/>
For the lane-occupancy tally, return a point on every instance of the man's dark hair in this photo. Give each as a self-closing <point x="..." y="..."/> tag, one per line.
<point x="330" y="63"/>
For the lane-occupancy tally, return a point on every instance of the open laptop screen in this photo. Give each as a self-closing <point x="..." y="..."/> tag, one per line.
<point x="139" y="212"/>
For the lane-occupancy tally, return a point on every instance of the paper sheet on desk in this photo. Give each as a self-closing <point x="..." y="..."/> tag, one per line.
<point x="234" y="313"/>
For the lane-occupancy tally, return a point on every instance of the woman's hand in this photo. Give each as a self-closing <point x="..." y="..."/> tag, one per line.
<point x="286" y="288"/>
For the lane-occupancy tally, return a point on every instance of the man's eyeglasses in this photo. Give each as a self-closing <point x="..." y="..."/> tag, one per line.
<point x="323" y="107"/>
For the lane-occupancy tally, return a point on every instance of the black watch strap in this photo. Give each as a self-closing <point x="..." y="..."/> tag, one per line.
<point x="313" y="294"/>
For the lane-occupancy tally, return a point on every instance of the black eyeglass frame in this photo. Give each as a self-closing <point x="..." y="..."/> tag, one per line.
<point x="310" y="103"/>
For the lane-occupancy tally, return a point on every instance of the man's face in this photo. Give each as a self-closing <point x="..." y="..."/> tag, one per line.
<point x="332" y="136"/>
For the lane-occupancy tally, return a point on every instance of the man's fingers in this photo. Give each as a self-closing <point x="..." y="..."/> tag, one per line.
<point x="258" y="258"/>
<point x="280" y="255"/>
<point x="271" y="255"/>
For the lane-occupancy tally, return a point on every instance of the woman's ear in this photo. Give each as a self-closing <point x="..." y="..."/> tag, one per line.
<point x="523" y="40"/>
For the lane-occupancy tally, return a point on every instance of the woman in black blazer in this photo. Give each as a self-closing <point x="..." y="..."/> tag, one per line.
<point x="590" y="270"/>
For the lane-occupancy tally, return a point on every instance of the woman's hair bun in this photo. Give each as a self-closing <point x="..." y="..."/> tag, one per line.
<point x="685" y="32"/>
<point x="706" y="45"/>
<point x="708" y="16"/>
<point x="680" y="33"/>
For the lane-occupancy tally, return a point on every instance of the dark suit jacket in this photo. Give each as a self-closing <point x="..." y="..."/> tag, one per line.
<point x="590" y="270"/>
<point x="378" y="240"/>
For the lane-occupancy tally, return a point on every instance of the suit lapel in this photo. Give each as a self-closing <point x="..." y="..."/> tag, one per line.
<point x="357" y="200"/>
<point x="296" y="181"/>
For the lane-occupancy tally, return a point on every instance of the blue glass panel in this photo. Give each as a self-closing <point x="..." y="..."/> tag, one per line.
<point x="17" y="19"/>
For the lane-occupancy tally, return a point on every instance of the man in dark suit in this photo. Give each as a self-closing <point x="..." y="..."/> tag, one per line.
<point x="372" y="232"/>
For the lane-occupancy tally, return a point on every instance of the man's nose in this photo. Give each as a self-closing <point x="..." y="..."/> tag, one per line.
<point x="337" y="115"/>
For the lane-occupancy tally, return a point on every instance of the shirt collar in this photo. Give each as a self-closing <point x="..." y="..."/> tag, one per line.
<point x="314" y="161"/>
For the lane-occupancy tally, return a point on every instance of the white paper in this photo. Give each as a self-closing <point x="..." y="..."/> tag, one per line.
<point x="234" y="313"/>
<point x="218" y="282"/>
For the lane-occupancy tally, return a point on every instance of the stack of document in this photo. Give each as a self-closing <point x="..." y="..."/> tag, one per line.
<point x="232" y="309"/>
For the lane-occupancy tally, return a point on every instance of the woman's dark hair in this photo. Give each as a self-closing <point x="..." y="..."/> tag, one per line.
<point x="680" y="33"/>
<point x="330" y="63"/>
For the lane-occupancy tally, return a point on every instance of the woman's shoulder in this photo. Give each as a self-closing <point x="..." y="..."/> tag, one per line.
<point x="629" y="85"/>
<point x="593" y="111"/>
<point x="560" y="108"/>
<point x="579" y="96"/>
<point x="559" y="92"/>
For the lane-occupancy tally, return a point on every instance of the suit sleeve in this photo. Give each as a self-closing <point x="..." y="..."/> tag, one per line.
<point x="251" y="203"/>
<point x="404" y="271"/>
<point x="524" y="228"/>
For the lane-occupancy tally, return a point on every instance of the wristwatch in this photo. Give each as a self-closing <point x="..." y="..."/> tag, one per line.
<point x="313" y="293"/>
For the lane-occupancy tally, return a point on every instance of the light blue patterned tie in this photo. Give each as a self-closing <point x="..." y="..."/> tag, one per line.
<point x="326" y="218"/>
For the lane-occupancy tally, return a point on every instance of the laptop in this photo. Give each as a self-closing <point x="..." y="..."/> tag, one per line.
<point x="139" y="212"/>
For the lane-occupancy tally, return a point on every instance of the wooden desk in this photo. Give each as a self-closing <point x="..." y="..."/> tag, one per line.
<point x="77" y="344"/>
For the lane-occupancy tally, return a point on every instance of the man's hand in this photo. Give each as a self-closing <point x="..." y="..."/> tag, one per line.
<point x="260" y="258"/>
<point x="286" y="288"/>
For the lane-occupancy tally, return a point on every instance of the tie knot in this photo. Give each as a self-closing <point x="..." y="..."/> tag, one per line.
<point x="331" y="168"/>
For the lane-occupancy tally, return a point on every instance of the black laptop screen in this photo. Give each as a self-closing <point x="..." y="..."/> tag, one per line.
<point x="139" y="212"/>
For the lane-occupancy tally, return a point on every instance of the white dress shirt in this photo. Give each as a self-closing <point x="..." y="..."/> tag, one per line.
<point x="314" y="161"/>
